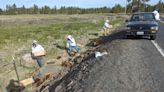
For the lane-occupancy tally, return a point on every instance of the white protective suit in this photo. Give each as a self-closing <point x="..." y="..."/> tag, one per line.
<point x="38" y="48"/>
<point x="157" y="15"/>
<point x="106" y="25"/>
<point x="71" y="41"/>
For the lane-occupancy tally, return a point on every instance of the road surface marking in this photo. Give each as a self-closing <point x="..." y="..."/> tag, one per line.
<point x="162" y="21"/>
<point x="158" y="47"/>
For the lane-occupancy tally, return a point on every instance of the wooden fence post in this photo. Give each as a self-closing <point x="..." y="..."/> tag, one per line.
<point x="15" y="68"/>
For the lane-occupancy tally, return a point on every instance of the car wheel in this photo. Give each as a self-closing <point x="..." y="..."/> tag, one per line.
<point x="152" y="37"/>
<point x="128" y="36"/>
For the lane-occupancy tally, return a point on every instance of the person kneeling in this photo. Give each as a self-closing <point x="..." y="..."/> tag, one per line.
<point x="72" y="46"/>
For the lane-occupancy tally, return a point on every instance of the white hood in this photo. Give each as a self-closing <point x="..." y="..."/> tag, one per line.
<point x="157" y="15"/>
<point x="71" y="42"/>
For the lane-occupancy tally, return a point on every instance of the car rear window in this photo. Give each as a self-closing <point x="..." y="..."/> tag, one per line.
<point x="142" y="17"/>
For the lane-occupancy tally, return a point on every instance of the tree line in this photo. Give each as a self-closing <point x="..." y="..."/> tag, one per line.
<point x="132" y="6"/>
<point x="143" y="6"/>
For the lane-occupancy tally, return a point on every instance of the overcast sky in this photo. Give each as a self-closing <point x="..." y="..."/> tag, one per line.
<point x="59" y="3"/>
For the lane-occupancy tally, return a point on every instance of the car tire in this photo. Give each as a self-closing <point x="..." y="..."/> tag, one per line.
<point x="152" y="37"/>
<point x="128" y="36"/>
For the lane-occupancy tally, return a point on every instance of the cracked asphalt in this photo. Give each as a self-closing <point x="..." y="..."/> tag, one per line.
<point x="131" y="65"/>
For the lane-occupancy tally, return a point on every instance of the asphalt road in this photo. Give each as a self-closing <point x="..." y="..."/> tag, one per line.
<point x="131" y="65"/>
<point x="160" y="35"/>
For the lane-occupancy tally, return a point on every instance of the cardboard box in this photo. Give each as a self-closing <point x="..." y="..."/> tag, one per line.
<point x="28" y="81"/>
<point x="40" y="53"/>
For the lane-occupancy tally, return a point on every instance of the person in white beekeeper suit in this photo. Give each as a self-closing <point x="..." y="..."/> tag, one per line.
<point x="106" y="27"/>
<point x="37" y="53"/>
<point x="71" y="44"/>
<point x="157" y="15"/>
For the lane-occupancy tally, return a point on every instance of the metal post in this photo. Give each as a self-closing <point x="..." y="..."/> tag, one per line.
<point x="15" y="68"/>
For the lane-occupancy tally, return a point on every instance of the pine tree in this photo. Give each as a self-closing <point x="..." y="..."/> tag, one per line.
<point x="1" y="11"/>
<point x="35" y="9"/>
<point x="137" y="5"/>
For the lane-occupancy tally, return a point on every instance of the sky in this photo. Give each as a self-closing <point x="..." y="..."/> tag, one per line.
<point x="59" y="3"/>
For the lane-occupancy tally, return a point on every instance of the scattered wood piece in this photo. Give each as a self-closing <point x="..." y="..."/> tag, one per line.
<point x="27" y="82"/>
<point x="38" y="82"/>
<point x="58" y="57"/>
<point x="96" y="43"/>
<point x="47" y="76"/>
<point x="50" y="62"/>
<point x="67" y="64"/>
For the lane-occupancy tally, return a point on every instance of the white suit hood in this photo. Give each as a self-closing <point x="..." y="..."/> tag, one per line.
<point x="70" y="41"/>
<point x="157" y="15"/>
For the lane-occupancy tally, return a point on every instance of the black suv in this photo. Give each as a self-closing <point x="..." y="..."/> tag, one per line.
<point x="142" y="24"/>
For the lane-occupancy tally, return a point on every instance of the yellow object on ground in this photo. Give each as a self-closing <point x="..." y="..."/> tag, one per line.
<point x="28" y="81"/>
